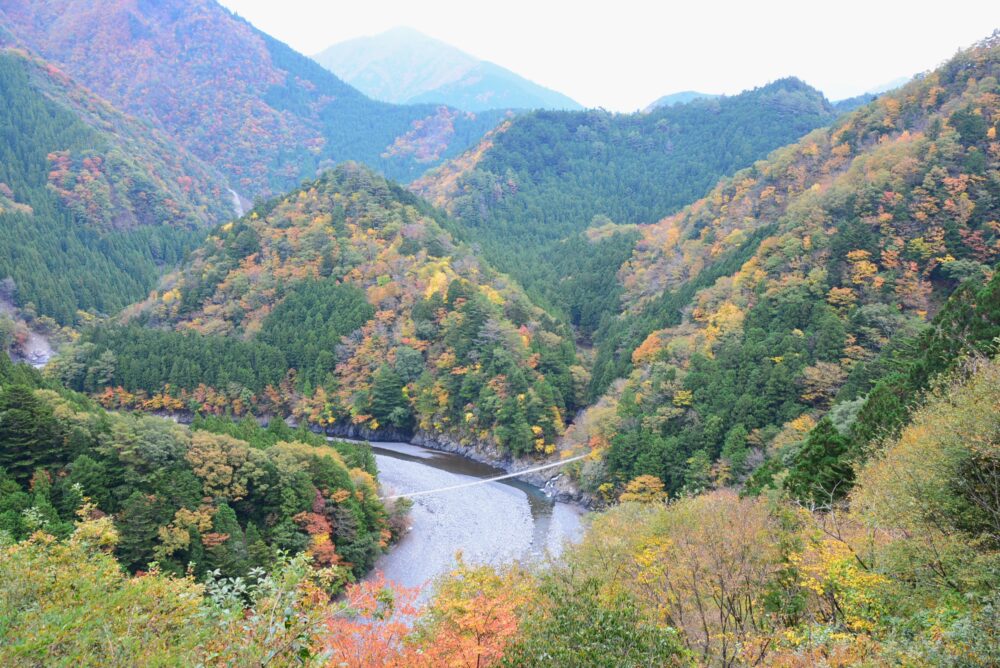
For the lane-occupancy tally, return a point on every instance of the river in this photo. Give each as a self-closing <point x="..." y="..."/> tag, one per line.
<point x="492" y="523"/>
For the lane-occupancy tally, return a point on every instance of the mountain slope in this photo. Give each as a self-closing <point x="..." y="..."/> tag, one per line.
<point x="407" y="67"/>
<point x="261" y="113"/>
<point x="533" y="186"/>
<point x="215" y="496"/>
<point x="751" y="310"/>
<point x="353" y="285"/>
<point x="682" y="97"/>
<point x="92" y="202"/>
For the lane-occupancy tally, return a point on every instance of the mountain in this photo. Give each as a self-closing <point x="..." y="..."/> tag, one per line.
<point x="751" y="312"/>
<point x="914" y="544"/>
<point x="682" y="97"/>
<point x="262" y="114"/>
<point x="407" y="67"/>
<point x="847" y="104"/>
<point x="347" y="304"/>
<point x="488" y="86"/>
<point x="786" y="414"/>
<point x="636" y="590"/>
<point x="93" y="203"/>
<point x="396" y="65"/>
<point x="531" y="188"/>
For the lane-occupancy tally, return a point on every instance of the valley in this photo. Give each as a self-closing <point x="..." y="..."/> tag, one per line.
<point x="446" y="370"/>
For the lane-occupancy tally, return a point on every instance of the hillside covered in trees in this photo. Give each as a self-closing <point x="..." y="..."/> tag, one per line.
<point x="263" y="114"/>
<point x="532" y="188"/>
<point x="93" y="204"/>
<point x="753" y="311"/>
<point x="218" y="496"/>
<point x="344" y="303"/>
<point x="903" y="573"/>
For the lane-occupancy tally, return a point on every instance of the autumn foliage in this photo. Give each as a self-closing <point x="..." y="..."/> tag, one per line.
<point x="358" y="309"/>
<point x="773" y="297"/>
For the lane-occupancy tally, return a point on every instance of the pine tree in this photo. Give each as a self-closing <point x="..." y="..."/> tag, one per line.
<point x="228" y="550"/>
<point x="43" y="511"/>
<point x="734" y="449"/>
<point x="13" y="502"/>
<point x="92" y="476"/>
<point x="27" y="432"/>
<point x="195" y="560"/>
<point x="137" y="526"/>
<point x="388" y="404"/>
<point x="822" y="471"/>
<point x="260" y="555"/>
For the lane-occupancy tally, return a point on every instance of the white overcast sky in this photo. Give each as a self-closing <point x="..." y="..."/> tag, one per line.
<point x="623" y="54"/>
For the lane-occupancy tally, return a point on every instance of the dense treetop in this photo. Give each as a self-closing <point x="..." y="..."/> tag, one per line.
<point x="794" y="403"/>
<point x="903" y="573"/>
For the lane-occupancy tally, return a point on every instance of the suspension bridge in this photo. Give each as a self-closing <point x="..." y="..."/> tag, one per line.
<point x="483" y="481"/>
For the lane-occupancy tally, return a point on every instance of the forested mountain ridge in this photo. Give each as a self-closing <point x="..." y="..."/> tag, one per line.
<point x="527" y="192"/>
<point x="682" y="97"/>
<point x="93" y="203"/>
<point x="751" y="310"/>
<point x="405" y="66"/>
<point x="344" y="303"/>
<point x="261" y="113"/>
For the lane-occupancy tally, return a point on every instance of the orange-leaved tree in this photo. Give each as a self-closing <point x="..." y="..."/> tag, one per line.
<point x="369" y="629"/>
<point x="474" y="615"/>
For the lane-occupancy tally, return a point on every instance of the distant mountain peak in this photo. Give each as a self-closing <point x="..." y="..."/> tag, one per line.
<point x="403" y="65"/>
<point x="680" y="97"/>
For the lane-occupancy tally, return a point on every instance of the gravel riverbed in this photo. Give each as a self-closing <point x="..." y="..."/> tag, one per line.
<point x="494" y="523"/>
